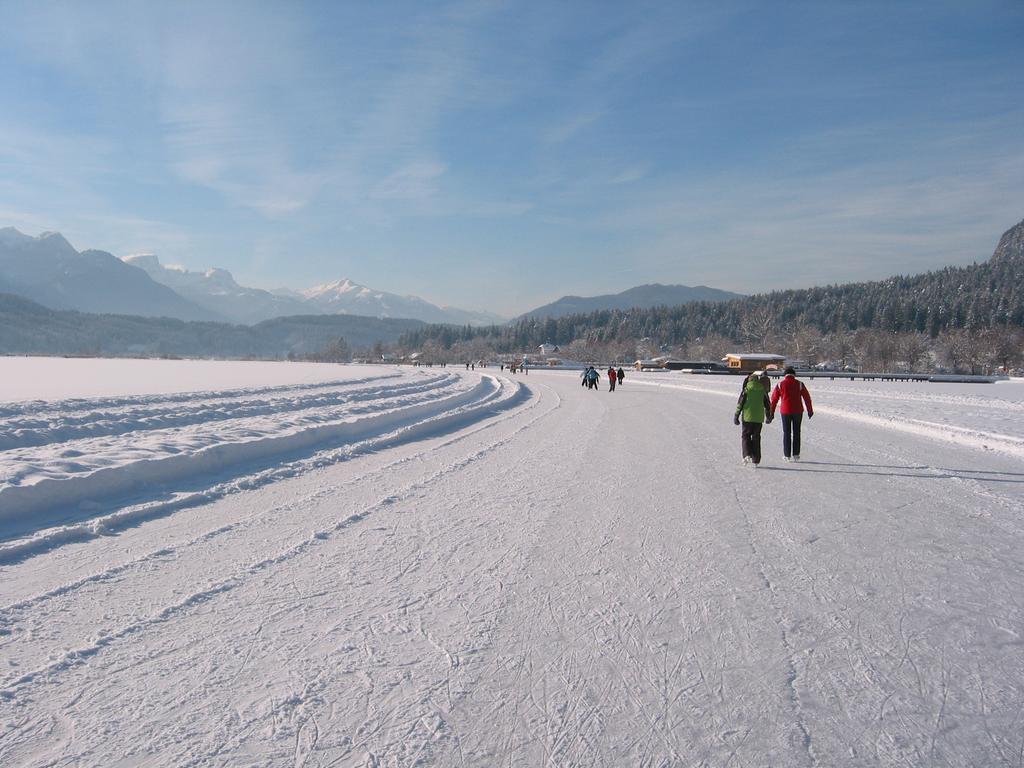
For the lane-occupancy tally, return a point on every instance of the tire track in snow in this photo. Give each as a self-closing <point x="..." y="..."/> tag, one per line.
<point x="316" y="462"/>
<point x="133" y="515"/>
<point x="75" y="657"/>
<point x="35" y="485"/>
<point x="55" y="426"/>
<point x="374" y="431"/>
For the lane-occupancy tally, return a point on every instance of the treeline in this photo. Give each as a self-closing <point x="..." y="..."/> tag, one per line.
<point x="956" y="298"/>
<point x="929" y="316"/>
<point x="28" y="328"/>
<point x="965" y="351"/>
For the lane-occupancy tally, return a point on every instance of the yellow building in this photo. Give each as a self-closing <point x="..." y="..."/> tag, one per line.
<point x="752" y="361"/>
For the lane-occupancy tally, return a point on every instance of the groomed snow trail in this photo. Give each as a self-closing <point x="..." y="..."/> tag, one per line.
<point x="539" y="575"/>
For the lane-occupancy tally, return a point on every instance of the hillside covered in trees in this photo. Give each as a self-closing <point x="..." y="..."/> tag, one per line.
<point x="934" y="308"/>
<point x="28" y="328"/>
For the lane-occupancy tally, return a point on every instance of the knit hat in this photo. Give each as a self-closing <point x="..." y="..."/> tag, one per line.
<point x="790" y="371"/>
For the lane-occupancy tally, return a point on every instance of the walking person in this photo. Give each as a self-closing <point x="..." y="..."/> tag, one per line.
<point x="791" y="397"/>
<point x="620" y="374"/>
<point x="761" y="376"/>
<point x="592" y="377"/>
<point x="752" y="410"/>
<point x="612" y="378"/>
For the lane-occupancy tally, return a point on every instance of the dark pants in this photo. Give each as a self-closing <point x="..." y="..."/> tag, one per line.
<point x="750" y="440"/>
<point x="611" y="383"/>
<point x="791" y="434"/>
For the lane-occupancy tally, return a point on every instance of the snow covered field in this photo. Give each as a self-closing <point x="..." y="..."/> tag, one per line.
<point x="357" y="565"/>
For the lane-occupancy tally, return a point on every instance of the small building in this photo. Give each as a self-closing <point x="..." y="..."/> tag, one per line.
<point x="746" y="362"/>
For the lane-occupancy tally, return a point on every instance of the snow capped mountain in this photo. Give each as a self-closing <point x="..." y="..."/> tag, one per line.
<point x="48" y="270"/>
<point x="348" y="297"/>
<point x="338" y="291"/>
<point x="216" y="290"/>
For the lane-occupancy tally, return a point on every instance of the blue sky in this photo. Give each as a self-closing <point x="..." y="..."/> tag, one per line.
<point x="497" y="155"/>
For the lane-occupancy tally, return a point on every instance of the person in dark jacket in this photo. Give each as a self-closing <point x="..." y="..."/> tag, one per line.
<point x="753" y="410"/>
<point x="791" y="396"/>
<point x="620" y="374"/>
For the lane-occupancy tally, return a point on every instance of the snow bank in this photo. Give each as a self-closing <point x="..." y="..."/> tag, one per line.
<point x="71" y="459"/>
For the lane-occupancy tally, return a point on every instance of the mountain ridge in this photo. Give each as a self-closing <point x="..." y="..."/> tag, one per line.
<point x="216" y="290"/>
<point x="47" y="269"/>
<point x="638" y="297"/>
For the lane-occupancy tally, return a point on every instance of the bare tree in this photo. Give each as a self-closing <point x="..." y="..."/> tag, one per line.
<point x="839" y="349"/>
<point x="756" y="326"/>
<point x="885" y="345"/>
<point x="962" y="351"/>
<point x="1004" y="348"/>
<point x="712" y="347"/>
<point x="861" y="343"/>
<point x="912" y="350"/>
<point x="806" y="343"/>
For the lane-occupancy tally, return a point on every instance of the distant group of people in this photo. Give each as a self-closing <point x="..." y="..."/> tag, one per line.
<point x="590" y="377"/>
<point x="755" y="408"/>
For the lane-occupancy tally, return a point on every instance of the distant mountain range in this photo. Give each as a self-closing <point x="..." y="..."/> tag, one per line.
<point x="48" y="270"/>
<point x="216" y="291"/>
<point x="640" y="297"/>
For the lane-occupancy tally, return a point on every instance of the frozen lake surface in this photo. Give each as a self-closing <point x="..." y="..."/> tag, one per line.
<point x="259" y="564"/>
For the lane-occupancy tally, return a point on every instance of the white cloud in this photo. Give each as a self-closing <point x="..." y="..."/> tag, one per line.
<point x="415" y="181"/>
<point x="753" y="233"/>
<point x="570" y="125"/>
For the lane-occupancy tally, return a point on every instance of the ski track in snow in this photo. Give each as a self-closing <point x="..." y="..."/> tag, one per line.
<point x="69" y="469"/>
<point x="491" y="571"/>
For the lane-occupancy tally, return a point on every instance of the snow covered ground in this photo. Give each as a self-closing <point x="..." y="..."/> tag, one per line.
<point x="378" y="566"/>
<point x="60" y="378"/>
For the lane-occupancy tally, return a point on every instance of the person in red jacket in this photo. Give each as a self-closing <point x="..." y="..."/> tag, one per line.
<point x="793" y="396"/>
<point x="613" y="376"/>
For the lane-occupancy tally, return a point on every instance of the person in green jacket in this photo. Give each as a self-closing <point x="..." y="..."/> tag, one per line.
<point x="753" y="409"/>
